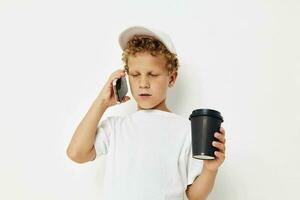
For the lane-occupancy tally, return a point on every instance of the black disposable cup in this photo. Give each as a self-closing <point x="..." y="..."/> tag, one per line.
<point x="204" y="123"/>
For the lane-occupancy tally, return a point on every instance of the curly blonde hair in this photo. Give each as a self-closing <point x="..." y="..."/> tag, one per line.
<point x="154" y="47"/>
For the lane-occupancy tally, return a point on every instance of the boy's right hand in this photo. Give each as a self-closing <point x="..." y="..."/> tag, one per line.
<point x="107" y="92"/>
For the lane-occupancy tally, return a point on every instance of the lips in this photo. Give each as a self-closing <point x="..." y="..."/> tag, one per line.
<point x="144" y="94"/>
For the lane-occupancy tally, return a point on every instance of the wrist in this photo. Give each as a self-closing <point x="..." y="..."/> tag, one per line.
<point x="212" y="171"/>
<point x="101" y="102"/>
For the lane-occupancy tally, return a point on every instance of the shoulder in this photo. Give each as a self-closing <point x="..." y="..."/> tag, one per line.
<point x="111" y="120"/>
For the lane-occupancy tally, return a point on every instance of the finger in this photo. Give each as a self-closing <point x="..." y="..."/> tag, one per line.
<point x="122" y="71"/>
<point x="118" y="73"/>
<point x="219" y="145"/>
<point x="220" y="137"/>
<point x="220" y="155"/>
<point x="118" y="76"/>
<point x="126" y="98"/>
<point x="222" y="130"/>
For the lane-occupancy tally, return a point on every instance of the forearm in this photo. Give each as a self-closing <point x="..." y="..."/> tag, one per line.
<point x="203" y="185"/>
<point x="84" y="136"/>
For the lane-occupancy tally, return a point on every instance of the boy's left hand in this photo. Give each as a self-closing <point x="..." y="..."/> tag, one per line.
<point x="213" y="165"/>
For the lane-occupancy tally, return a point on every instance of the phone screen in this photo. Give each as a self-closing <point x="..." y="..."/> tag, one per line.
<point x="121" y="88"/>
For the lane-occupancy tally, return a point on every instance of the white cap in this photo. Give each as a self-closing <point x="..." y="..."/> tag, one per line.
<point x="128" y="33"/>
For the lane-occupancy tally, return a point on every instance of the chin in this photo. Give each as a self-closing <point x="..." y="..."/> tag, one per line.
<point x="148" y="105"/>
<point x="144" y="106"/>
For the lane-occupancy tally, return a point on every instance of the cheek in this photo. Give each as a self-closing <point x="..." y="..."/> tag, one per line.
<point x="134" y="86"/>
<point x="132" y="83"/>
<point x="159" y="86"/>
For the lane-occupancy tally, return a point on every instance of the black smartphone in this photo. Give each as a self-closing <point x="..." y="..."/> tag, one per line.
<point x="120" y="88"/>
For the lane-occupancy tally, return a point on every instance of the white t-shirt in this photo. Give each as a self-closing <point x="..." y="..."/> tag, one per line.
<point x="149" y="156"/>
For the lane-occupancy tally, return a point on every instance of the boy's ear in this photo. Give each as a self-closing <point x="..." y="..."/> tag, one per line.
<point x="173" y="77"/>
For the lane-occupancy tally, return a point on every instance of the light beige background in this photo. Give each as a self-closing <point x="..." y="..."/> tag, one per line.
<point x="239" y="57"/>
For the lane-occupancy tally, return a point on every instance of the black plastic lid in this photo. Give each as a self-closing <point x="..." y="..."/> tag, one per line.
<point x="206" y="112"/>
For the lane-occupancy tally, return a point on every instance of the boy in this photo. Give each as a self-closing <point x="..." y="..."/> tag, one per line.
<point x="149" y="155"/>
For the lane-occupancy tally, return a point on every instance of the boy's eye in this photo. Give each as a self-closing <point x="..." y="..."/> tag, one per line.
<point x="138" y="74"/>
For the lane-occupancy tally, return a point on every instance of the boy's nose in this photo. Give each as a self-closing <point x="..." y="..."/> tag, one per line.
<point x="144" y="86"/>
<point x="144" y="83"/>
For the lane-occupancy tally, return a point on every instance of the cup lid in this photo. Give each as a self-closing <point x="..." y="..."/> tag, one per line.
<point x="206" y="112"/>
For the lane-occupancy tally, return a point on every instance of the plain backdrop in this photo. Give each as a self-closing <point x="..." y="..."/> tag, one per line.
<point x="239" y="57"/>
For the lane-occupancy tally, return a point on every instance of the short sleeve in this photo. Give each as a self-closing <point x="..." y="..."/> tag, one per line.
<point x="194" y="166"/>
<point x="103" y="136"/>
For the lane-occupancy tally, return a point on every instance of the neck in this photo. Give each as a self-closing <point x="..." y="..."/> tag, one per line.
<point x="161" y="106"/>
